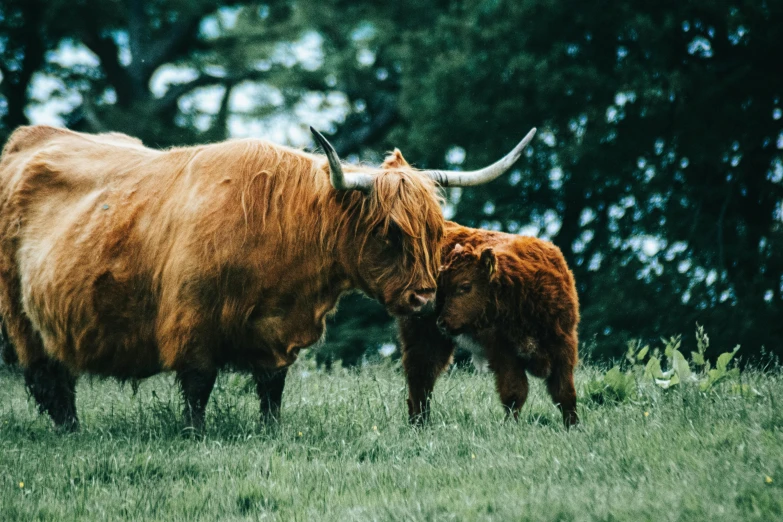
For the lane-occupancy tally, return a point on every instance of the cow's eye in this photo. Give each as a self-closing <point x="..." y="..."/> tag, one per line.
<point x="464" y="288"/>
<point x="391" y="238"/>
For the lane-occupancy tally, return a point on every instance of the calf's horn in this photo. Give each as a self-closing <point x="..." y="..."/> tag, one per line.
<point x="477" y="177"/>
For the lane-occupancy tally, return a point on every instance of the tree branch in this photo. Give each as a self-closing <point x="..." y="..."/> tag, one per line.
<point x="15" y="83"/>
<point x="107" y="52"/>
<point x="349" y="141"/>
<point x="137" y="33"/>
<point x="182" y="36"/>
<point x="166" y="50"/>
<point x="91" y="118"/>
<point x="220" y="130"/>
<point x="175" y="92"/>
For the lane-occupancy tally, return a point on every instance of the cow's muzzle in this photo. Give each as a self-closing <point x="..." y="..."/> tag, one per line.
<point x="421" y="301"/>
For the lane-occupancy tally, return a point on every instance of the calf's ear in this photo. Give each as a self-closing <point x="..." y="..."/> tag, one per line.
<point x="489" y="261"/>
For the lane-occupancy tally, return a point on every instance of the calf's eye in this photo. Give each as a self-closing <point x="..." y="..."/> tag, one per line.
<point x="465" y="288"/>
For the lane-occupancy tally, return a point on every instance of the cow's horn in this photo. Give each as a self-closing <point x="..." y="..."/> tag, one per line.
<point x="477" y="177"/>
<point x="340" y="180"/>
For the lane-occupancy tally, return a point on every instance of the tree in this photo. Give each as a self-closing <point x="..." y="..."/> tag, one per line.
<point x="24" y="39"/>
<point x="129" y="43"/>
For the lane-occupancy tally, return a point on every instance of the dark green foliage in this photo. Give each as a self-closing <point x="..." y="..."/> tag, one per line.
<point x="658" y="122"/>
<point x="645" y="372"/>
<point x="360" y="327"/>
<point x="657" y="168"/>
<point x="130" y="41"/>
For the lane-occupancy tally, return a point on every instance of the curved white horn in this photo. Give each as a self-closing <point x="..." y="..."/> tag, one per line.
<point x="340" y="180"/>
<point x="478" y="177"/>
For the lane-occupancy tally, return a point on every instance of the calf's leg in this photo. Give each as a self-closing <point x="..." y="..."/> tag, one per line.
<point x="197" y="384"/>
<point x="511" y="382"/>
<point x="560" y="385"/>
<point x="556" y="367"/>
<point x="560" y="381"/>
<point x="54" y="389"/>
<point x="269" y="387"/>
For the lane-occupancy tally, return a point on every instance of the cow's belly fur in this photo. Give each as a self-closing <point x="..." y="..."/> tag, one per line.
<point x="99" y="322"/>
<point x="112" y="318"/>
<point x="114" y="326"/>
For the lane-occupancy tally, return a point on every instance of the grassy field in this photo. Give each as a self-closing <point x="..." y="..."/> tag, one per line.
<point x="344" y="451"/>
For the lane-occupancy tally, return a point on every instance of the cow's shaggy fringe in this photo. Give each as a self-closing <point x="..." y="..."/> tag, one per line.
<point x="306" y="211"/>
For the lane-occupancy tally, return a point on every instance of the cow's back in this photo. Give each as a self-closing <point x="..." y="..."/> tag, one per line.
<point x="548" y="298"/>
<point x="454" y="234"/>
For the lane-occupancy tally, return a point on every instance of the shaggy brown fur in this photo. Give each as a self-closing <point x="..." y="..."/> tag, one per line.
<point x="510" y="298"/>
<point x="123" y="261"/>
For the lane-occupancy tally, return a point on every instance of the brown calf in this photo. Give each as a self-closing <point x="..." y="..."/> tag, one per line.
<point x="509" y="299"/>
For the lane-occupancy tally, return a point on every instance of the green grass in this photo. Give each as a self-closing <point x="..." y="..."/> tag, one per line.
<point x="344" y="451"/>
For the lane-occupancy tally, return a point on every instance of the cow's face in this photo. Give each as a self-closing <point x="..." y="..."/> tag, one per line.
<point x="465" y="287"/>
<point x="399" y="208"/>
<point x="400" y="255"/>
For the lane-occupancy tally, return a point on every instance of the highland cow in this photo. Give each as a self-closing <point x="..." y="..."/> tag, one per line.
<point x="123" y="261"/>
<point x="508" y="299"/>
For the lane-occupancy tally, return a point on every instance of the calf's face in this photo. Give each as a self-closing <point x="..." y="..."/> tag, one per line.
<point x="465" y="289"/>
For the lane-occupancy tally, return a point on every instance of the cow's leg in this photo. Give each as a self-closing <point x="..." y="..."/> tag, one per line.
<point x="7" y="351"/>
<point x="426" y="353"/>
<point x="510" y="380"/>
<point x="54" y="389"/>
<point x="197" y="384"/>
<point x="421" y="372"/>
<point x="269" y="387"/>
<point x="49" y="382"/>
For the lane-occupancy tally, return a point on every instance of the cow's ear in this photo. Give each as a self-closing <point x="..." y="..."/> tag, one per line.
<point x="394" y="160"/>
<point x="489" y="261"/>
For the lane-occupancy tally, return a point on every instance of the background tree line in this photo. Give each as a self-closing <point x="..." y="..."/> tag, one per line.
<point x="657" y="168"/>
